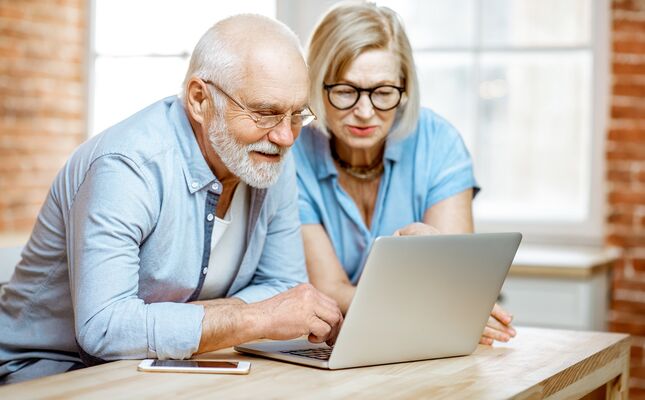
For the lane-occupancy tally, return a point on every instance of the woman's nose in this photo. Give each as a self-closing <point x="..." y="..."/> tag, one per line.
<point x="364" y="108"/>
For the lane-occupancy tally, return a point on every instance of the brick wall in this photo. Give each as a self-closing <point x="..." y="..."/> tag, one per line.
<point x="626" y="180"/>
<point x="42" y="100"/>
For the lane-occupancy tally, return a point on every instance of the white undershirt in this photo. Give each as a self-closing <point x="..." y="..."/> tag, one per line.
<point x="227" y="245"/>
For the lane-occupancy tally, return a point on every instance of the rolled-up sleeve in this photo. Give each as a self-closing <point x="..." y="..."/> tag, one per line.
<point x="282" y="262"/>
<point x="455" y="169"/>
<point x="114" y="210"/>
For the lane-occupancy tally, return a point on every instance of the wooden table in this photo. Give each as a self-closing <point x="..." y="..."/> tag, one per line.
<point x="538" y="363"/>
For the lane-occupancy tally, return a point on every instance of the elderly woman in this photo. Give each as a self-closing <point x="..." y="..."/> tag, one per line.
<point x="375" y="163"/>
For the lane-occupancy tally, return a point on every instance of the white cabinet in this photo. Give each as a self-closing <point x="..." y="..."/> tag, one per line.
<point x="567" y="288"/>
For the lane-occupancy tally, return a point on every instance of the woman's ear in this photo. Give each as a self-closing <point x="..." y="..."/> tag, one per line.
<point x="196" y="99"/>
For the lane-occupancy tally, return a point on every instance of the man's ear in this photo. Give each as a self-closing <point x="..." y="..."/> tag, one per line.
<point x="196" y="100"/>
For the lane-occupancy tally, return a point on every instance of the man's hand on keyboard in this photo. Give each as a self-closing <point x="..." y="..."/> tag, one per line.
<point x="299" y="311"/>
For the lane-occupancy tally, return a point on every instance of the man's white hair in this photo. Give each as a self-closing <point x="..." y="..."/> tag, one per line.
<point x="219" y="54"/>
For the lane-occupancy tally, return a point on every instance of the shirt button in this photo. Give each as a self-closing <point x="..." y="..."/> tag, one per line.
<point x="194" y="185"/>
<point x="215" y="186"/>
<point x="205" y="270"/>
<point x="209" y="217"/>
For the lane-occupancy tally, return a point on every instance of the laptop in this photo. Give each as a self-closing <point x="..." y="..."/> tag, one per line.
<point x="419" y="297"/>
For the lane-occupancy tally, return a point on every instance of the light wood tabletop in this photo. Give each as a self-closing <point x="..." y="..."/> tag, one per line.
<point x="538" y="363"/>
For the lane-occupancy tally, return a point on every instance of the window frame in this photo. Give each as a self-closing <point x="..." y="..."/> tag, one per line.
<point x="590" y="231"/>
<point x="302" y="17"/>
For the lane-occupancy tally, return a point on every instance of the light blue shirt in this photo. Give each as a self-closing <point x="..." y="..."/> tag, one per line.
<point x="427" y="166"/>
<point x="122" y="243"/>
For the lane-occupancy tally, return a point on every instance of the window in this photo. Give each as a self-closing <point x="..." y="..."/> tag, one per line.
<point x="524" y="83"/>
<point x="141" y="48"/>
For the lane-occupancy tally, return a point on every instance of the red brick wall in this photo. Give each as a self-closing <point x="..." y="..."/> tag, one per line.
<point x="42" y="100"/>
<point x="626" y="180"/>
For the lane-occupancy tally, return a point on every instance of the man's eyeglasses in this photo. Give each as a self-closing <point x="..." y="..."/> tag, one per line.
<point x="270" y="121"/>
<point x="344" y="96"/>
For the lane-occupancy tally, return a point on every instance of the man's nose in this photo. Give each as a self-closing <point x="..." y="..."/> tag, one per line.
<point x="364" y="108"/>
<point x="282" y="134"/>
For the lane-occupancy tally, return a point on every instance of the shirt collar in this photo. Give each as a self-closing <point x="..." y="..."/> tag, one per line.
<point x="324" y="164"/>
<point x="196" y="171"/>
<point x="394" y="149"/>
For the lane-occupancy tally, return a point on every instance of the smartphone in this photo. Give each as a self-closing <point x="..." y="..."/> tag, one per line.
<point x="196" y="366"/>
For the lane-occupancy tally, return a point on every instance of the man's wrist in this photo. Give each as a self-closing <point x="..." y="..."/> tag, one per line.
<point x="254" y="320"/>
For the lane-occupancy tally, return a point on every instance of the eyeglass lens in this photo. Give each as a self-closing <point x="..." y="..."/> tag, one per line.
<point x="270" y="121"/>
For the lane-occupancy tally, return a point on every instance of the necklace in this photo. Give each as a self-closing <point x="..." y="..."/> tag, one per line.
<point x="363" y="173"/>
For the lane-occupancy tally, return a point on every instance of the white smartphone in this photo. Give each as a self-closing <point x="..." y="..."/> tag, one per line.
<point x="196" y="366"/>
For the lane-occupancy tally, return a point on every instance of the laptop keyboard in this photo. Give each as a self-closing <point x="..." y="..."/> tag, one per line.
<point x="318" y="354"/>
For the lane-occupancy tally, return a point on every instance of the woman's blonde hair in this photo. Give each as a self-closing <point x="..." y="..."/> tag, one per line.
<point x="345" y="32"/>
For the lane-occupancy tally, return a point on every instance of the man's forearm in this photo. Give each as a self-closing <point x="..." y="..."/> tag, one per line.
<point x="228" y="322"/>
<point x="296" y="312"/>
<point x="226" y="301"/>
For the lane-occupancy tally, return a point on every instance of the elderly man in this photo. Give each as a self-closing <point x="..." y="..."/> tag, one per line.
<point x="176" y="231"/>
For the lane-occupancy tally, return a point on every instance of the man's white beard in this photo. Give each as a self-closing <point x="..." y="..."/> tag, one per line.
<point x="236" y="157"/>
